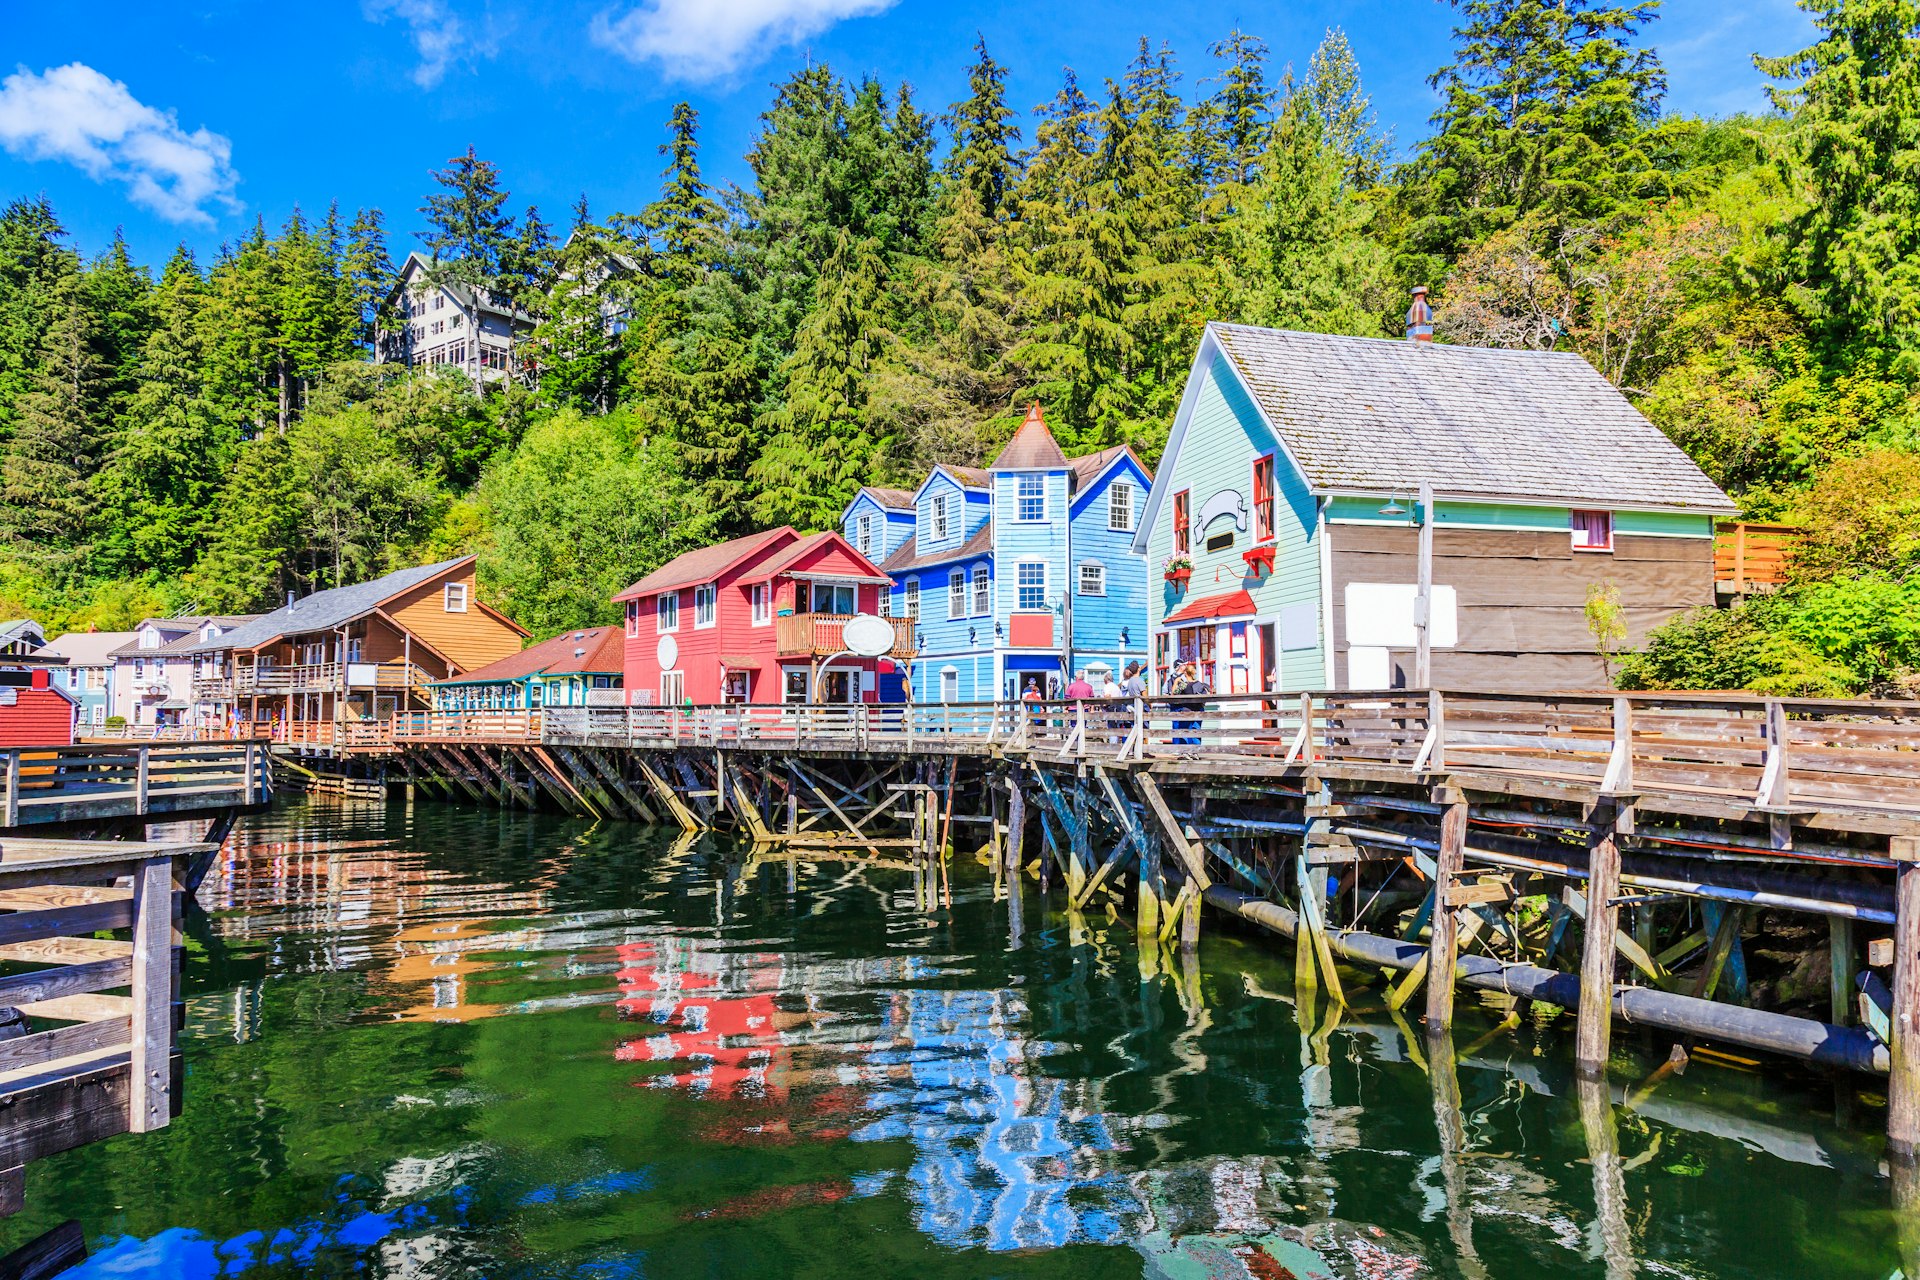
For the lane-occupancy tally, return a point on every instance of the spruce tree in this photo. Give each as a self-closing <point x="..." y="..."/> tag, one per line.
<point x="368" y="276"/>
<point x="1855" y="99"/>
<point x="1346" y="112"/>
<point x="34" y="265"/>
<point x="980" y="155"/>
<point x="118" y="294"/>
<point x="47" y="493"/>
<point x="470" y="236"/>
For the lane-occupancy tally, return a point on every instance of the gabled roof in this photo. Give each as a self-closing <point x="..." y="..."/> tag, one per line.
<point x="887" y="498"/>
<point x="1383" y="415"/>
<point x="704" y="564"/>
<point x="907" y="556"/>
<point x="15" y="628"/>
<point x="89" y="648"/>
<point x="418" y="262"/>
<point x="184" y="630"/>
<point x="1032" y="448"/>
<point x="598" y="650"/>
<point x="788" y="556"/>
<point x="325" y="610"/>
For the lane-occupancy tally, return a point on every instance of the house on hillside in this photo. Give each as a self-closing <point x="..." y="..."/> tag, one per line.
<point x="574" y="669"/>
<point x="1291" y="483"/>
<point x="88" y="676"/>
<point x="475" y="330"/>
<point x="756" y="619"/>
<point x="1022" y="572"/>
<point x="154" y="673"/>
<point x="20" y="636"/>
<point x="362" y="651"/>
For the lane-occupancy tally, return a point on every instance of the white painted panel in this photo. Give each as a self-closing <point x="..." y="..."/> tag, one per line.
<point x="1300" y="626"/>
<point x="1381" y="614"/>
<point x="1368" y="668"/>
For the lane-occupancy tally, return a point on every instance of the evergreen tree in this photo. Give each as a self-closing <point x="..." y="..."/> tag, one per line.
<point x="980" y="156"/>
<point x="243" y="334"/>
<point x="818" y="452"/>
<point x="251" y="558"/>
<point x="471" y="238"/>
<point x="685" y="224"/>
<point x="316" y="323"/>
<point x="368" y="276"/>
<point x="1546" y="110"/>
<point x="1855" y="97"/>
<point x="47" y="493"/>
<point x="1346" y="112"/>
<point x="34" y="264"/>
<point x="118" y="294"/>
<point x="1230" y="125"/>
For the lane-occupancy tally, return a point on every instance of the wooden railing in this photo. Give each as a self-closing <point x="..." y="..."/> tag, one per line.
<point x="326" y="677"/>
<point x="467" y="726"/>
<point x="68" y="784"/>
<point x="818" y="635"/>
<point x="1747" y="555"/>
<point x="59" y="1083"/>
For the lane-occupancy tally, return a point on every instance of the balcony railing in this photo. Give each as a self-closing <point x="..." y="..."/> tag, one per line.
<point x="817" y="635"/>
<point x="213" y="689"/>
<point x="1746" y="556"/>
<point x="328" y="677"/>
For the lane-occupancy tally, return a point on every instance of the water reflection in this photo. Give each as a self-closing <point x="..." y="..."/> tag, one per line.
<point x="436" y="1043"/>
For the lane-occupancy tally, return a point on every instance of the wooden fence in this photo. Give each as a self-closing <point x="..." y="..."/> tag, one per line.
<point x="1747" y="555"/>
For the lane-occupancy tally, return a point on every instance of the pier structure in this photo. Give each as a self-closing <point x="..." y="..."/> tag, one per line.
<point x="1612" y="856"/>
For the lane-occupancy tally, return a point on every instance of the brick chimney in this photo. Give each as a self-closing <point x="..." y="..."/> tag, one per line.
<point x="1420" y="317"/>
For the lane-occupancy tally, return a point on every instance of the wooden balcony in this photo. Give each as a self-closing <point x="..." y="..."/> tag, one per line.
<point x="817" y="635"/>
<point x="1748" y="557"/>
<point x="213" y="689"/>
<point x="328" y="677"/>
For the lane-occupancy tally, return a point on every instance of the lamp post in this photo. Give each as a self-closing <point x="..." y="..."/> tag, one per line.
<point x="1422" y="515"/>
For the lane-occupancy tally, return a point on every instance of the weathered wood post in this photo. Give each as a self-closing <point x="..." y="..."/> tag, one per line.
<point x="1594" y="1033"/>
<point x="1450" y="861"/>
<point x="1016" y="825"/>
<point x="1840" y="948"/>
<point x="141" y="758"/>
<point x="151" y="1073"/>
<point x="1903" y="1078"/>
<point x="12" y="815"/>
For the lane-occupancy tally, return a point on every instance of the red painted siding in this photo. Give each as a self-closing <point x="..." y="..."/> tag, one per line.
<point x="38" y="718"/>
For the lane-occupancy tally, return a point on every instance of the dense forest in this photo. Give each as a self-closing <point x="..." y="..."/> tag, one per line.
<point x="893" y="286"/>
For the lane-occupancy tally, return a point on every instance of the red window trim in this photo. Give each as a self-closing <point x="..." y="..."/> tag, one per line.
<point x="1182" y="534"/>
<point x="1599" y="548"/>
<point x="1263" y="500"/>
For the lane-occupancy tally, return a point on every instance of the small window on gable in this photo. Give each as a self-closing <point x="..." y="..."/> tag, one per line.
<point x="941" y="524"/>
<point x="865" y="535"/>
<point x="1120" y="507"/>
<point x="455" y="597"/>
<point x="1031" y="504"/>
<point x="1592" y="530"/>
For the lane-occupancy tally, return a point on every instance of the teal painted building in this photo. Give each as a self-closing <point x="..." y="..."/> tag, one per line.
<point x="1024" y="571"/>
<point x="1283" y="529"/>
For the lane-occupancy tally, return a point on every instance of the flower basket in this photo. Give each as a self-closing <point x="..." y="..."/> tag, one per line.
<point x="1179" y="577"/>
<point x="1178" y="569"/>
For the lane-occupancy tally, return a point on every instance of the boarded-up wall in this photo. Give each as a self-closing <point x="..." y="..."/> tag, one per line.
<point x="1521" y="598"/>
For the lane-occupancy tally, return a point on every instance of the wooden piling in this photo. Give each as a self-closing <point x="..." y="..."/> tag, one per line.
<point x="1594" y="1031"/>
<point x="1450" y="860"/>
<point x="1903" y="1077"/>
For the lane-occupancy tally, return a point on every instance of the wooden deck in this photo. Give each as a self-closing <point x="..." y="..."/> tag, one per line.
<point x="108" y="780"/>
<point x="94" y="1063"/>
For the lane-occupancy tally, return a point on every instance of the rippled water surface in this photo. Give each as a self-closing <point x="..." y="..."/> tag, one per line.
<point x="434" y="1041"/>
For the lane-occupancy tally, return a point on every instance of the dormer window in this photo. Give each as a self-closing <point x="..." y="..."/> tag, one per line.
<point x="864" y="535"/>
<point x="454" y="597"/>
<point x="1120" y="507"/>
<point x="940" y="521"/>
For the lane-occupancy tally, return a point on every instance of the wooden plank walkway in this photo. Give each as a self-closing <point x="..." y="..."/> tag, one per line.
<point x="107" y="780"/>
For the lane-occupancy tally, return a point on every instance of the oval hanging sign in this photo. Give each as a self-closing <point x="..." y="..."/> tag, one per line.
<point x="667" y="652"/>
<point x="867" y="636"/>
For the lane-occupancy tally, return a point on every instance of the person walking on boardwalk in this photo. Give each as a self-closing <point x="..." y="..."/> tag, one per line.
<point x="1188" y="684"/>
<point x="1078" y="687"/>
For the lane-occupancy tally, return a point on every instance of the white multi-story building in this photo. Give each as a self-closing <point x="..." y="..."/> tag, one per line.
<point x="446" y="323"/>
<point x="156" y="681"/>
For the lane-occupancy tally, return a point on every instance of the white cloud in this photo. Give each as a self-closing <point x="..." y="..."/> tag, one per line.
<point x="439" y="35"/>
<point x="75" y="114"/>
<point x="710" y="39"/>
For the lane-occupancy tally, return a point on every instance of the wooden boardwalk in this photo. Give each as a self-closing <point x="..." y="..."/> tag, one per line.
<point x="103" y="781"/>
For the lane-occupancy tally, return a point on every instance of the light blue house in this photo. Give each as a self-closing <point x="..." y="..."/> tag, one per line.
<point x="89" y="673"/>
<point x="1022" y="572"/>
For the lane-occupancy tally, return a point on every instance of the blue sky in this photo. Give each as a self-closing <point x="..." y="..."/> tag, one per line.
<point x="185" y="121"/>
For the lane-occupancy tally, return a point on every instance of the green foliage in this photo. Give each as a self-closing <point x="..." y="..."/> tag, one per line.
<point x="1606" y="622"/>
<point x="576" y="514"/>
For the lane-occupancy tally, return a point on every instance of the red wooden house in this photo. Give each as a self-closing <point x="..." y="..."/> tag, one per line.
<point x="34" y="712"/>
<point x="747" y="620"/>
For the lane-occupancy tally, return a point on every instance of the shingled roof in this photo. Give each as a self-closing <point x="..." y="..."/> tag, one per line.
<point x="704" y="564"/>
<point x="324" y="610"/>
<point x="597" y="649"/>
<point x="1032" y="448"/>
<point x="907" y="556"/>
<point x="889" y="498"/>
<point x="1380" y="415"/>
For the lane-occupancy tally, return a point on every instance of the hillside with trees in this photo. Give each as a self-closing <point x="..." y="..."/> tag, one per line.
<point x="892" y="286"/>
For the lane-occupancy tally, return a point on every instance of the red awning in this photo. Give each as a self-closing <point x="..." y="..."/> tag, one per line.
<point x="1232" y="604"/>
<point x="735" y="662"/>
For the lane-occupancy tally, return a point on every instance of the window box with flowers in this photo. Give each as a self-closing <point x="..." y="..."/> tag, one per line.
<point x="1178" y="568"/>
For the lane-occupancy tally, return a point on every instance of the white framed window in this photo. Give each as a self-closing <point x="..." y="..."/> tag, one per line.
<point x="633" y="619"/>
<point x="982" y="596"/>
<point x="1120" y="506"/>
<point x="957" y="593"/>
<point x="1093" y="578"/>
<point x="913" y="598"/>
<point x="1031" y="503"/>
<point x="706" y="598"/>
<point x="1592" y="530"/>
<point x="949" y="684"/>
<point x="454" y="597"/>
<point x="941" y="524"/>
<point x="760" y="597"/>
<point x="863" y="534"/>
<point x="673" y="688"/>
<point x="1032" y="585"/>
<point x="666" y="612"/>
<point x="885" y="595"/>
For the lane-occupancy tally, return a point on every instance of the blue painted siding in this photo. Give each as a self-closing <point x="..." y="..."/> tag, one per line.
<point x="889" y="529"/>
<point x="1223" y="438"/>
<point x="1099" y="621"/>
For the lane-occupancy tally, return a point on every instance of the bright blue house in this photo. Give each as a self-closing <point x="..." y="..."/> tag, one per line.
<point x="1022" y="572"/>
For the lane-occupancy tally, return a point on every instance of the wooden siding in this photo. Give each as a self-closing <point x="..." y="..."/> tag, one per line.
<point x="1496" y="515"/>
<point x="1099" y="620"/>
<point x="470" y="640"/>
<point x="1223" y="437"/>
<point x="38" y="717"/>
<point x="1521" y="597"/>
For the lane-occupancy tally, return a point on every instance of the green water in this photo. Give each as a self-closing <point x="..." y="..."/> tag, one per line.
<point x="446" y="1042"/>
